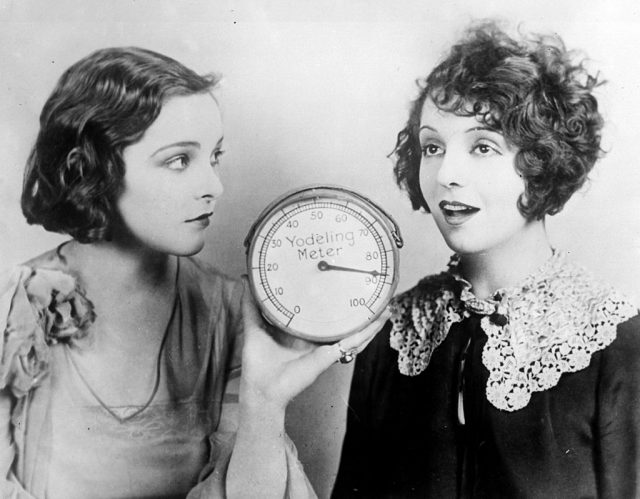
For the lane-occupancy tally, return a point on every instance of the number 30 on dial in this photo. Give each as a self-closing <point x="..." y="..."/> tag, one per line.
<point x="323" y="262"/>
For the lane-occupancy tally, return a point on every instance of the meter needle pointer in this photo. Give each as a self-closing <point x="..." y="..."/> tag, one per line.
<point x="322" y="265"/>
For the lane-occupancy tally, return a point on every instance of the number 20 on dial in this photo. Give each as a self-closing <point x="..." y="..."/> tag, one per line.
<point x="323" y="262"/>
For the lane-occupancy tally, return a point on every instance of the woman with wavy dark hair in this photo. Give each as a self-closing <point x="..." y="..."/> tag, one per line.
<point x="121" y="352"/>
<point x="514" y="373"/>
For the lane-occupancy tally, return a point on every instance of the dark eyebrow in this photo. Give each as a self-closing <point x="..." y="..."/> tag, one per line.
<point x="219" y="143"/>
<point x="177" y="144"/>
<point x="472" y="129"/>
<point x="428" y="127"/>
<point x="483" y="128"/>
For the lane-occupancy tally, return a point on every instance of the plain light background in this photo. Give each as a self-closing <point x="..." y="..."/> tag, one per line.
<point x="316" y="92"/>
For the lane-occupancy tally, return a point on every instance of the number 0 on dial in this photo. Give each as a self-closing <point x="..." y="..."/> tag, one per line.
<point x="323" y="262"/>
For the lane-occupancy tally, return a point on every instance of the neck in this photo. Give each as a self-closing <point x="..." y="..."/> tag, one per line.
<point x="118" y="268"/>
<point x="507" y="264"/>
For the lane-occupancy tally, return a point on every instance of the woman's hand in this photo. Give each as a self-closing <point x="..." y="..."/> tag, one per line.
<point x="276" y="366"/>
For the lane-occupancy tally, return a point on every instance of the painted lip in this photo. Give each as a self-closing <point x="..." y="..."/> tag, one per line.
<point x="202" y="220"/>
<point x="457" y="213"/>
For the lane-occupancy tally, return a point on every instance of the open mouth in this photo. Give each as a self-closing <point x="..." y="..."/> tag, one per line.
<point x="456" y="212"/>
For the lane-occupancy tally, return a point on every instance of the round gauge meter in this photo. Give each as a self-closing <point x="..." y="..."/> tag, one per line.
<point x="323" y="262"/>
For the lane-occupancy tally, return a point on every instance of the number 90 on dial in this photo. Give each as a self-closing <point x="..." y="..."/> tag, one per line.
<point x="323" y="262"/>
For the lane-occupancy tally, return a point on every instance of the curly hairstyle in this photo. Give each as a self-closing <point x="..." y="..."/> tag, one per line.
<point x="534" y="93"/>
<point x="100" y="105"/>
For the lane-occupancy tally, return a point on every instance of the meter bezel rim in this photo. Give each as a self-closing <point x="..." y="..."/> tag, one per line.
<point x="331" y="192"/>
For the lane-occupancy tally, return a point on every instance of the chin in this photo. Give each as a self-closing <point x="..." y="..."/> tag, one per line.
<point x="184" y="247"/>
<point x="190" y="250"/>
<point x="464" y="245"/>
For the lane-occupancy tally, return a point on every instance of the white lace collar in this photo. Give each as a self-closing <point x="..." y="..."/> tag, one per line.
<point x="548" y="325"/>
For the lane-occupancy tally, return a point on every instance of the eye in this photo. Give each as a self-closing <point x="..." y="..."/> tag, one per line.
<point x="485" y="149"/>
<point x="215" y="157"/>
<point x="431" y="150"/>
<point x="179" y="162"/>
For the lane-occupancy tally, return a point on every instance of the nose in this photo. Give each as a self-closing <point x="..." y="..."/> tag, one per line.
<point x="207" y="182"/>
<point x="453" y="169"/>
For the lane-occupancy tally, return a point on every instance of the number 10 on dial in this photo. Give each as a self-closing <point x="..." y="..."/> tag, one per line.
<point x="323" y="262"/>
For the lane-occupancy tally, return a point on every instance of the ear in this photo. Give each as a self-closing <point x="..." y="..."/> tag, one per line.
<point x="522" y="204"/>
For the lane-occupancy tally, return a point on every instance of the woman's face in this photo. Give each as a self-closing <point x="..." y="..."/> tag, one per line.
<point x="170" y="181"/>
<point x="468" y="178"/>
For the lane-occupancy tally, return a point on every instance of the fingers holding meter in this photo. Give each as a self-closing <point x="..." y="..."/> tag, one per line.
<point x="323" y="262"/>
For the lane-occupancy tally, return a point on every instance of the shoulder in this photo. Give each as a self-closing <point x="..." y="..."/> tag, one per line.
<point x="429" y="287"/>
<point x="40" y="304"/>
<point x="630" y="329"/>
<point x="574" y="286"/>
<point x="561" y="321"/>
<point x="625" y="349"/>
<point x="47" y="260"/>
<point x="433" y="292"/>
<point x="618" y="375"/>
<point x="564" y="301"/>
<point x="593" y="307"/>
<point x="420" y="320"/>
<point x="45" y="288"/>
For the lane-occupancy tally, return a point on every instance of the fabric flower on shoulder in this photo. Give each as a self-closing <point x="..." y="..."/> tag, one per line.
<point x="63" y="310"/>
<point x="38" y="308"/>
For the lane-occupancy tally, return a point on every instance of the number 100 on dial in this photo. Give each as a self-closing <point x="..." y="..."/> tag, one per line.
<point x="323" y="262"/>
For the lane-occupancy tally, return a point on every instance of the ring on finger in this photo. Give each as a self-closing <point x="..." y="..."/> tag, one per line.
<point x="346" y="356"/>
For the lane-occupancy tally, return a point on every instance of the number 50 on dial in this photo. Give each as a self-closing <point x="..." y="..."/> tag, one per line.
<point x="323" y="262"/>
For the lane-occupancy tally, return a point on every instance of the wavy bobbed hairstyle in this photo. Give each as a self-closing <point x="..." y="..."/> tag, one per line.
<point x="100" y="105"/>
<point x="533" y="92"/>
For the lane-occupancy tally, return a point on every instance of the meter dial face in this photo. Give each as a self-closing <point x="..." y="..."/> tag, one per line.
<point x="324" y="267"/>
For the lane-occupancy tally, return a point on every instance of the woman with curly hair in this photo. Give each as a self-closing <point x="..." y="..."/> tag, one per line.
<point x="514" y="373"/>
<point x="120" y="361"/>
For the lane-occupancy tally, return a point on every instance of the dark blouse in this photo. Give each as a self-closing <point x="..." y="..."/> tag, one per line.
<point x="580" y="438"/>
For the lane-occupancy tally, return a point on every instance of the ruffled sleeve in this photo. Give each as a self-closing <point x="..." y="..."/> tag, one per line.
<point x="24" y="357"/>
<point x="38" y="307"/>
<point x="213" y="487"/>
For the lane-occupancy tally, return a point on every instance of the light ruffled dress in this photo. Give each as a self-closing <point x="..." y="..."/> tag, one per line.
<point x="59" y="440"/>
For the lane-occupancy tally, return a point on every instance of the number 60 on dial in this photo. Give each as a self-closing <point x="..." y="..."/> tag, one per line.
<point x="323" y="262"/>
